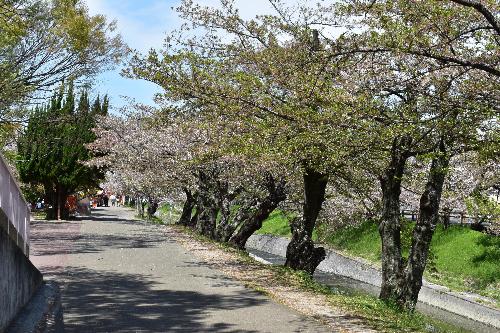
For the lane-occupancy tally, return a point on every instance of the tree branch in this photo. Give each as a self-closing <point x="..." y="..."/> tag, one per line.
<point x="479" y="7"/>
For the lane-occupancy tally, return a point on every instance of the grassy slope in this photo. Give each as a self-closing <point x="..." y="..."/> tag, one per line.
<point x="467" y="260"/>
<point x="276" y="224"/>
<point x="461" y="259"/>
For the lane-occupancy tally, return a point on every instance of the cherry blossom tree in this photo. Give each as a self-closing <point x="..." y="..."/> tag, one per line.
<point x="368" y="101"/>
<point x="277" y="83"/>
<point x="437" y="78"/>
<point x="141" y="154"/>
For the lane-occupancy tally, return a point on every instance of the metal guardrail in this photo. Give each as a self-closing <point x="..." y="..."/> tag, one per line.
<point x="14" y="209"/>
<point x="455" y="217"/>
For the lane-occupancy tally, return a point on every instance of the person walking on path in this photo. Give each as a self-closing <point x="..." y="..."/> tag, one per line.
<point x="113" y="200"/>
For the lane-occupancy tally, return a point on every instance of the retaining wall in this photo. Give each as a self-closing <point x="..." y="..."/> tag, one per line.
<point x="19" y="279"/>
<point x="15" y="209"/>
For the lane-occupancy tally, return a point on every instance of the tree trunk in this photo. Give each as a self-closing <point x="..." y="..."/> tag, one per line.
<point x="140" y="204"/>
<point x="193" y="222"/>
<point x="301" y="253"/>
<point x="424" y="229"/>
<point x="207" y="203"/>
<point x="446" y="217"/>
<point x="56" y="197"/>
<point x="187" y="209"/>
<point x="143" y="206"/>
<point x="244" y="213"/>
<point x="390" y="224"/>
<point x="225" y="228"/>
<point x="152" y="207"/>
<point x="50" y="202"/>
<point x="207" y="221"/>
<point x="252" y="223"/>
<point x="59" y="203"/>
<point x="259" y="213"/>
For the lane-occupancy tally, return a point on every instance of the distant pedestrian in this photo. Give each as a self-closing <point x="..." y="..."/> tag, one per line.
<point x="39" y="204"/>
<point x="113" y="199"/>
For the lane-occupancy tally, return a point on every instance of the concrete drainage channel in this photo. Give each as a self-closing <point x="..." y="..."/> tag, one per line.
<point x="348" y="274"/>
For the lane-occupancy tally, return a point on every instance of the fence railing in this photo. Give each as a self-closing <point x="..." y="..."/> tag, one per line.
<point x="15" y="212"/>
<point x="454" y="217"/>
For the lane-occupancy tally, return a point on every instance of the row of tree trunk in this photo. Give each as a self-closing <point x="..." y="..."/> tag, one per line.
<point x="401" y="277"/>
<point x="208" y="210"/>
<point x="146" y="207"/>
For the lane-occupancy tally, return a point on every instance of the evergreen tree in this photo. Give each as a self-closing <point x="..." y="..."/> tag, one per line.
<point x="105" y="105"/>
<point x="52" y="149"/>
<point x="97" y="107"/>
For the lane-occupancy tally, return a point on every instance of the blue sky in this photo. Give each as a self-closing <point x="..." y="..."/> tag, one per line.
<point x="143" y="24"/>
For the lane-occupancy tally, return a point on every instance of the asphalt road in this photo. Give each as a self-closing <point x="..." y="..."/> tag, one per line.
<point x="121" y="275"/>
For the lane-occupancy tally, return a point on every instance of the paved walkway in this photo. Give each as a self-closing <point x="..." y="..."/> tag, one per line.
<point x="121" y="275"/>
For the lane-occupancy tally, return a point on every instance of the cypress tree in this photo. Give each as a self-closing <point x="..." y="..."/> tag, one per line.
<point x="96" y="107"/>
<point x="52" y="149"/>
<point x="105" y="106"/>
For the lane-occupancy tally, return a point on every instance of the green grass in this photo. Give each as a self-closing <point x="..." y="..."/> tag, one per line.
<point x="467" y="260"/>
<point x="360" y="241"/>
<point x="168" y="213"/>
<point x="276" y="224"/>
<point x="39" y="215"/>
<point x="461" y="259"/>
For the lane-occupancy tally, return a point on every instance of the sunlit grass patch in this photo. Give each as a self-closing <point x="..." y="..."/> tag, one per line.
<point x="461" y="259"/>
<point x="276" y="224"/>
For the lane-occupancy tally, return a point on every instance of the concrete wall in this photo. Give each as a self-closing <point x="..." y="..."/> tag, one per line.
<point x="19" y="279"/>
<point x="15" y="208"/>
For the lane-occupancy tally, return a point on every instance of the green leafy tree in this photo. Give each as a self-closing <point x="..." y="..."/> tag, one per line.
<point x="52" y="149"/>
<point x="277" y="95"/>
<point x="434" y="65"/>
<point x="43" y="43"/>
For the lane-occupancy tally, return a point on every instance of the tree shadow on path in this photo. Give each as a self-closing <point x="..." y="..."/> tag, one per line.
<point x="103" y="301"/>
<point x="59" y="238"/>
